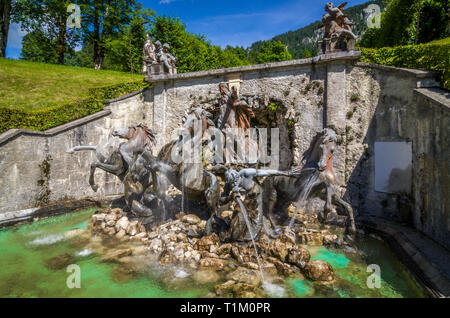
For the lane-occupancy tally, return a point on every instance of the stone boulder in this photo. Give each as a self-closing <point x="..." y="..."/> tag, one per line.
<point x="191" y="219"/>
<point x="224" y="289"/>
<point x="204" y="243"/>
<point x="298" y="256"/>
<point x="166" y="258"/>
<point x="205" y="276"/>
<point x="122" y="223"/>
<point x="61" y="261"/>
<point x="212" y="263"/>
<point x="245" y="275"/>
<point x="115" y="255"/>
<point x="319" y="270"/>
<point x="278" y="249"/>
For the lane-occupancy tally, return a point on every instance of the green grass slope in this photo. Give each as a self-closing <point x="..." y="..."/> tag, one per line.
<point x="32" y="86"/>
<point x="42" y="96"/>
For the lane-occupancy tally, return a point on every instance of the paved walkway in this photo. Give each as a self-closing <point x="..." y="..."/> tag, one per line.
<point x="429" y="260"/>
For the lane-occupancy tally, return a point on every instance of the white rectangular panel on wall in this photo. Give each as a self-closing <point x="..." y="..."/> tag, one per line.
<point x="393" y="166"/>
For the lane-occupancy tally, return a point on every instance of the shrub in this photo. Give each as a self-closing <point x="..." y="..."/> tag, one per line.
<point x="50" y="117"/>
<point x="433" y="56"/>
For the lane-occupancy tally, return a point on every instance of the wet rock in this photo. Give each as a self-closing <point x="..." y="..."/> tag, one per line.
<point x="252" y="265"/>
<point x="224" y="249"/>
<point x="310" y="238"/>
<point x="278" y="249"/>
<point x="244" y="290"/>
<point x="245" y="275"/>
<point x="227" y="214"/>
<point x="132" y="228"/>
<point x="124" y="273"/>
<point x="98" y="218"/>
<point x="285" y="269"/>
<point x="111" y="218"/>
<point x="122" y="224"/>
<point x="109" y="231"/>
<point x="140" y="236"/>
<point x="298" y="256"/>
<point x="193" y="232"/>
<point x="205" y="242"/>
<point x="60" y="261"/>
<point x="191" y="219"/>
<point x="319" y="270"/>
<point x="205" y="276"/>
<point x="201" y="225"/>
<point x="114" y="255"/>
<point x="332" y="240"/>
<point x="236" y="254"/>
<point x="166" y="258"/>
<point x="224" y="289"/>
<point x="121" y="234"/>
<point x="140" y="250"/>
<point x="212" y="263"/>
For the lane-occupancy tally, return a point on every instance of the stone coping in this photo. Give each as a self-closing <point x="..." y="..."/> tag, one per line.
<point x="351" y="55"/>
<point x="427" y="259"/>
<point x="437" y="96"/>
<point x="407" y="71"/>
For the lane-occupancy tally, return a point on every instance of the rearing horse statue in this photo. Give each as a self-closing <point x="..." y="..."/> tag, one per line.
<point x="316" y="174"/>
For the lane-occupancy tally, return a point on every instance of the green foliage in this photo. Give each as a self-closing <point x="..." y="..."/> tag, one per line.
<point x="194" y="52"/>
<point x="306" y="38"/>
<point x="433" y="57"/>
<point x="407" y="22"/>
<point x="37" y="47"/>
<point x="50" y="117"/>
<point x="306" y="54"/>
<point x="272" y="51"/>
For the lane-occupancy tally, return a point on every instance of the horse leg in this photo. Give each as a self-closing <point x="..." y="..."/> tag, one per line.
<point x="212" y="196"/>
<point x="113" y="169"/>
<point x="351" y="227"/>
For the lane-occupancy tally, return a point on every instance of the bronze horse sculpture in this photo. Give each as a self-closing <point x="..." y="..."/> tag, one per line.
<point x="316" y="174"/>
<point x="127" y="164"/>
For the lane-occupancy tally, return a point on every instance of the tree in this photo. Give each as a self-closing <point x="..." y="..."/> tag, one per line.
<point x="124" y="50"/>
<point x="5" y="12"/>
<point x="409" y="22"/>
<point x="37" y="47"/>
<point x="48" y="17"/>
<point x="102" y="21"/>
<point x="273" y="52"/>
<point x="306" y="54"/>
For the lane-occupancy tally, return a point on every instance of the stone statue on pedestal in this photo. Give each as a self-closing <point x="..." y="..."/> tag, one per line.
<point x="338" y="35"/>
<point x="162" y="61"/>
<point x="149" y="54"/>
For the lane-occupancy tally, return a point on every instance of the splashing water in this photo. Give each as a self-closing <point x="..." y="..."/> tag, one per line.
<point x="47" y="240"/>
<point x="306" y="186"/>
<point x="247" y="222"/>
<point x="273" y="290"/>
<point x="84" y="252"/>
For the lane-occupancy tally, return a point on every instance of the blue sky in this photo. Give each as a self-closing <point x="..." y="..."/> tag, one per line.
<point x="233" y="22"/>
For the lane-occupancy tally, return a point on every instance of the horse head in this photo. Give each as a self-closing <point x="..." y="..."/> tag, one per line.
<point x="195" y="114"/>
<point x="321" y="150"/>
<point x="139" y="138"/>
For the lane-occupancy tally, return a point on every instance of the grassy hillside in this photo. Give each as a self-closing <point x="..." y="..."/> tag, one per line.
<point x="305" y="38"/>
<point x="36" y="86"/>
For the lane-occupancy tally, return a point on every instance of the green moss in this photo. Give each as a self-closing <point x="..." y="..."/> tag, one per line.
<point x="274" y="107"/>
<point x="44" y="181"/>
<point x="354" y="98"/>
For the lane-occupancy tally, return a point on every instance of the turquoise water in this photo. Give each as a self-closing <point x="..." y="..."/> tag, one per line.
<point x="26" y="250"/>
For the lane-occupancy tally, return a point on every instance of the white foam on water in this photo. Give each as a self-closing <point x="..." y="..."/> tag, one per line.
<point x="47" y="240"/>
<point x="273" y="290"/>
<point x="84" y="252"/>
<point x="179" y="273"/>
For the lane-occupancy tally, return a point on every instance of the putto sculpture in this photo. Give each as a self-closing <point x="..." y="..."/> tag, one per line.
<point x="157" y="59"/>
<point x="338" y="35"/>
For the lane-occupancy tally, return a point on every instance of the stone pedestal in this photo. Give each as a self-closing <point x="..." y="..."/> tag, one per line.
<point x="157" y="69"/>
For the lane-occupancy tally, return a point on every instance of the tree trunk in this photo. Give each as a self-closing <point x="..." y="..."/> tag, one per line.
<point x="5" y="10"/>
<point x="61" y="40"/>
<point x="98" y="59"/>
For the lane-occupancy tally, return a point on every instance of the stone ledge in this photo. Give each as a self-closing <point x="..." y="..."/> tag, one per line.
<point x="437" y="96"/>
<point x="352" y="55"/>
<point x="14" y="133"/>
<point x="410" y="245"/>
<point x="408" y="71"/>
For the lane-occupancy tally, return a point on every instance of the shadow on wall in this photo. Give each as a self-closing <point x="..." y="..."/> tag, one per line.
<point x="398" y="115"/>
